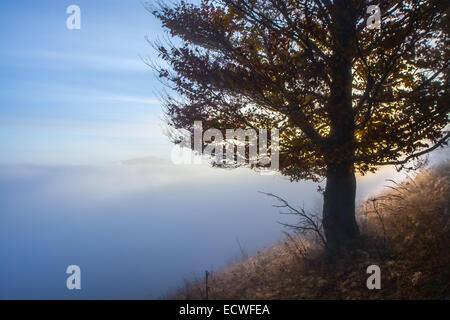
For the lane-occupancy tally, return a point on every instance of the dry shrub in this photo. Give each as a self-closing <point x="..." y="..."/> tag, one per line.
<point x="411" y="224"/>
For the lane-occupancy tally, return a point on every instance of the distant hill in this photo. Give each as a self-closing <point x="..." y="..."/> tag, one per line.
<point x="145" y="161"/>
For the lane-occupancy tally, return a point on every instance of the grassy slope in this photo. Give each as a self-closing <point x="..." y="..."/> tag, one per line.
<point x="405" y="231"/>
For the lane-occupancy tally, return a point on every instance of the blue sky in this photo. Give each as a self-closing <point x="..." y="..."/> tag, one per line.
<point x="78" y="96"/>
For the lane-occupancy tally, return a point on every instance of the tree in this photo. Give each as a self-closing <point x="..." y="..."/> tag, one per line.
<point x="346" y="98"/>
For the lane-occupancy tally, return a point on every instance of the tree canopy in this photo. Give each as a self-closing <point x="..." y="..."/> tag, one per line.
<point x="286" y="64"/>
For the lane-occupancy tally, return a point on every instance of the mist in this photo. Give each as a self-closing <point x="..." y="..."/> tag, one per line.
<point x="136" y="229"/>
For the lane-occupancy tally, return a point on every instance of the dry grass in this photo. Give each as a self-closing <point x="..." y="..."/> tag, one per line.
<point x="405" y="231"/>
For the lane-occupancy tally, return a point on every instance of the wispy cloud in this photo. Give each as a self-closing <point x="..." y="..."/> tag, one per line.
<point x="144" y="127"/>
<point x="140" y="100"/>
<point x="65" y="59"/>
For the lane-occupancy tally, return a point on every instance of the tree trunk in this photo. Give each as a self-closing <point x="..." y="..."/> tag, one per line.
<point x="339" y="220"/>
